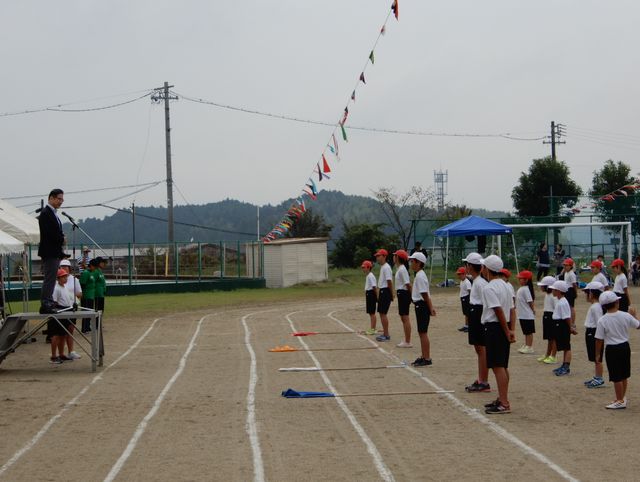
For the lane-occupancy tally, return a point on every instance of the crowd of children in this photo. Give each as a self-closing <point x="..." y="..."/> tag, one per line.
<point x="490" y="308"/>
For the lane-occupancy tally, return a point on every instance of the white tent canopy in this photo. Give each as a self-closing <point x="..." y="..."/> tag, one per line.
<point x="9" y="244"/>
<point x="18" y="224"/>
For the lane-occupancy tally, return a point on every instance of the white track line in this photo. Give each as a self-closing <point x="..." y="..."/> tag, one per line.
<point x="251" y="427"/>
<point x="382" y="468"/>
<point x="473" y="413"/>
<point x="142" y="426"/>
<point x="71" y="403"/>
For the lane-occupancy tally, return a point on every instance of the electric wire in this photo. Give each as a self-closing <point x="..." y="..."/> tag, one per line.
<point x="111" y="188"/>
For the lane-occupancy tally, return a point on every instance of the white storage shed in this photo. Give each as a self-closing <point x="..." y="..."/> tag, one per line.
<point x="296" y="260"/>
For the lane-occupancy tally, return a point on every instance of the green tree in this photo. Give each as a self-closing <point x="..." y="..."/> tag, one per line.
<point x="546" y="177"/>
<point x="310" y="225"/>
<point x="612" y="177"/>
<point x="360" y="242"/>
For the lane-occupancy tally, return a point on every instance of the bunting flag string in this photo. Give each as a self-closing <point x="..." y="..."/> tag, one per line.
<point x="310" y="189"/>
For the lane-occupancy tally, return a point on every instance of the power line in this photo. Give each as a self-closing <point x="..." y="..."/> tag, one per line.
<point x="247" y="110"/>
<point x="113" y="188"/>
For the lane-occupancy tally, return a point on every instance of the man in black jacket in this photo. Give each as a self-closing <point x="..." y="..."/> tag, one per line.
<point x="50" y="248"/>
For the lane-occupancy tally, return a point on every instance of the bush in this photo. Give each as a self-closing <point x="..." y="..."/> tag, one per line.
<point x="360" y="242"/>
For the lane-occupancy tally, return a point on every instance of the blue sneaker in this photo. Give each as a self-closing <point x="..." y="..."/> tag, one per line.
<point x="383" y="338"/>
<point x="588" y="382"/>
<point x="596" y="382"/>
<point x="562" y="371"/>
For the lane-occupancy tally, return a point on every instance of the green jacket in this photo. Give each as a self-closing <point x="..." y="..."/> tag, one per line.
<point x="101" y="283"/>
<point x="88" y="283"/>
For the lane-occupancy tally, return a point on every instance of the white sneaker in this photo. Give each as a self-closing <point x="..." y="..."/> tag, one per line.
<point x="522" y="349"/>
<point x="74" y="356"/>
<point x="404" y="344"/>
<point x="527" y="350"/>
<point x="617" y="405"/>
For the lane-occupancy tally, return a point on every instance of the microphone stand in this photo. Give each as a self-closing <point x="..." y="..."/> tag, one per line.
<point x="75" y="226"/>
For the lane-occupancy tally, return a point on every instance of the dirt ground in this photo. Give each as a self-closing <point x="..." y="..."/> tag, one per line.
<point x="175" y="401"/>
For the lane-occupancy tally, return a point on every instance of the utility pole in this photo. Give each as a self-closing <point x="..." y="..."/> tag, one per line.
<point x="162" y="93"/>
<point x="557" y="130"/>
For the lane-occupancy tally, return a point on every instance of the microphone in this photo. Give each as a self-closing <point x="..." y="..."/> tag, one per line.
<point x="68" y="217"/>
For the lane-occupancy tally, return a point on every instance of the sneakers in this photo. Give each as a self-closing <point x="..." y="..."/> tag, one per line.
<point x="370" y="331"/>
<point x="542" y="358"/>
<point x="525" y="350"/>
<point x="74" y="356"/>
<point x="595" y="382"/>
<point x="477" y="386"/>
<point x="497" y="409"/>
<point x="495" y="403"/>
<point x="383" y="338"/>
<point x="550" y="360"/>
<point x="64" y="358"/>
<point x="422" y="362"/>
<point x="562" y="370"/>
<point x="54" y="360"/>
<point x="404" y="344"/>
<point x="617" y="405"/>
<point x="464" y="329"/>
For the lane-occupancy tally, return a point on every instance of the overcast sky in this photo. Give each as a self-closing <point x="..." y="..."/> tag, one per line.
<point x="455" y="66"/>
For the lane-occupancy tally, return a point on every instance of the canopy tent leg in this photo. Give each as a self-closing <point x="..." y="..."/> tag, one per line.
<point x="446" y="264"/>
<point x="629" y="255"/>
<point x="433" y="250"/>
<point x="499" y="246"/>
<point x="515" y="253"/>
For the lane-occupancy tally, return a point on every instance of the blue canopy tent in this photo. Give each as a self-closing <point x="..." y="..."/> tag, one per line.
<point x="472" y="226"/>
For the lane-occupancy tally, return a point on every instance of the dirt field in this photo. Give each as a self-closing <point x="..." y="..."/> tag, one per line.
<point x="196" y="396"/>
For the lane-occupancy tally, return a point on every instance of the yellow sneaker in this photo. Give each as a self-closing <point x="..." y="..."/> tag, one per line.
<point x="550" y="360"/>
<point x="542" y="358"/>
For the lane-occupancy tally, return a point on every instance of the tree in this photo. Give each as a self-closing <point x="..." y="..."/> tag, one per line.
<point x="360" y="242"/>
<point x="310" y="225"/>
<point x="545" y="190"/>
<point x="610" y="178"/>
<point x="401" y="209"/>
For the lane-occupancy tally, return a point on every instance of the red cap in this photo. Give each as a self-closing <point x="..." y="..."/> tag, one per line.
<point x="568" y="261"/>
<point x="461" y="270"/>
<point x="526" y="274"/>
<point x="402" y="254"/>
<point x="617" y="262"/>
<point x="505" y="272"/>
<point x="366" y="264"/>
<point x="61" y="273"/>
<point x="596" y="264"/>
<point x="382" y="252"/>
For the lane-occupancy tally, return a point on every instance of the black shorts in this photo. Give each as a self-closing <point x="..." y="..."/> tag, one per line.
<point x="548" y="326"/>
<point x="562" y="335"/>
<point x="528" y="326"/>
<point x="476" y="330"/>
<point x="423" y="316"/>
<point x="590" y="340"/>
<point x="623" y="303"/>
<point x="571" y="295"/>
<point x="404" y="302"/>
<point x="498" y="346"/>
<point x="384" y="301"/>
<point x="371" y="301"/>
<point x="54" y="328"/>
<point x="464" y="301"/>
<point x="618" y="361"/>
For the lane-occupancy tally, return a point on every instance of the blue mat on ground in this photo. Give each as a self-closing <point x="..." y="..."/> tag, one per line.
<point x="291" y="393"/>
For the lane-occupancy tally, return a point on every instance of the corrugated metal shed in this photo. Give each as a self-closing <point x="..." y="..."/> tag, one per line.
<point x="297" y="260"/>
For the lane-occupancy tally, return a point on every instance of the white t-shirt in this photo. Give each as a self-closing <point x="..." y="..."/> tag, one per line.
<point x="600" y="278"/>
<point x="613" y="328"/>
<point x="476" y="290"/>
<point x="593" y="315"/>
<point x="523" y="298"/>
<point x="465" y="287"/>
<point x="370" y="282"/>
<point x="385" y="275"/>
<point x="420" y="285"/>
<point x="549" y="302"/>
<point x="562" y="311"/>
<point x="402" y="278"/>
<point x="570" y="278"/>
<point x="620" y="284"/>
<point x="62" y="296"/>
<point x="512" y="292"/>
<point x="73" y="285"/>
<point x="495" y="295"/>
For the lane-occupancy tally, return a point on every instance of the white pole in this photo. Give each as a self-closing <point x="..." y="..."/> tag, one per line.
<point x="433" y="250"/>
<point x="515" y="253"/>
<point x="620" y="245"/>
<point x="500" y="246"/>
<point x="446" y="262"/>
<point x="258" y="224"/>
<point x="629" y="245"/>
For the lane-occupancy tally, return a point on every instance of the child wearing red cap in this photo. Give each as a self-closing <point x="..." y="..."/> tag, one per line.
<point x="370" y="295"/>
<point x="596" y="269"/>
<point x="385" y="292"/>
<point x="569" y="276"/>
<point x="621" y="284"/>
<point x="59" y="329"/>
<point x="403" y="291"/>
<point x="525" y="298"/>
<point x="465" y="294"/>
<point x="548" y="325"/>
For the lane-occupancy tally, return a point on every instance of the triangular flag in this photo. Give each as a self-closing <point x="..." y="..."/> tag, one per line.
<point x="319" y="171"/>
<point x="362" y="78"/>
<point x="372" y="58"/>
<point x="333" y="151"/>
<point x="394" y="7"/>
<point x="310" y="194"/>
<point x="624" y="193"/>
<point x="313" y="186"/>
<point x="345" y="115"/>
<point x="335" y="145"/>
<point x="383" y="30"/>
<point x="325" y="165"/>
<point x="303" y="208"/>
<point x="353" y="96"/>
<point x="344" y="133"/>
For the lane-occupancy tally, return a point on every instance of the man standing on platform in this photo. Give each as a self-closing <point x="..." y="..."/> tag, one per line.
<point x="50" y="248"/>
